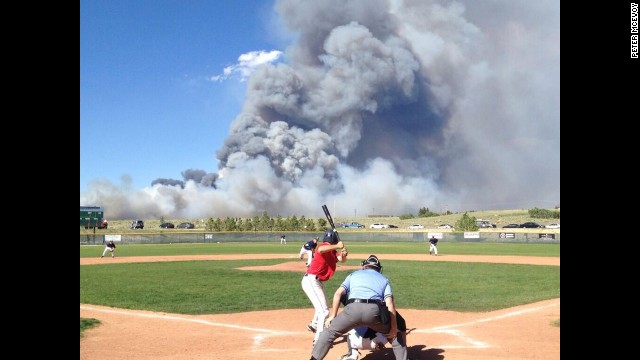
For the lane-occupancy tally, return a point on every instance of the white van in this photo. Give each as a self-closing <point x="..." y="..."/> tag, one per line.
<point x="484" y="224"/>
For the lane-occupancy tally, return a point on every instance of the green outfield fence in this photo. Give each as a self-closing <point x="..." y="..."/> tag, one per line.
<point x="538" y="237"/>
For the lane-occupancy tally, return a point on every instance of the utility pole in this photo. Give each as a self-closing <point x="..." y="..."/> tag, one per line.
<point x="334" y="207"/>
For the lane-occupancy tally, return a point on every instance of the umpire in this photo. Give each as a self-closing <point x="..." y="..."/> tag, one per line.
<point x="370" y="303"/>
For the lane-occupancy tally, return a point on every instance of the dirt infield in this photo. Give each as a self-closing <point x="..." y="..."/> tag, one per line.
<point x="522" y="332"/>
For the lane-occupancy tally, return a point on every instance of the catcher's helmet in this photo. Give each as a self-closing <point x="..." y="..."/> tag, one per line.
<point x="331" y="236"/>
<point x="373" y="263"/>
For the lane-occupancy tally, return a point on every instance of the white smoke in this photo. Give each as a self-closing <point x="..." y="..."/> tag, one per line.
<point x="384" y="107"/>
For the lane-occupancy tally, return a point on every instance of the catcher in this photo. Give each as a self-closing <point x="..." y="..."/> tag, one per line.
<point x="365" y="338"/>
<point x="111" y="246"/>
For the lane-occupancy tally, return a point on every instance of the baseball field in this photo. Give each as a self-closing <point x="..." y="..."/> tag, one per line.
<point x="242" y="301"/>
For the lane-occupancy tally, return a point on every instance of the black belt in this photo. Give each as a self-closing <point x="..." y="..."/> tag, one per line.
<point x="315" y="276"/>
<point x="365" y="301"/>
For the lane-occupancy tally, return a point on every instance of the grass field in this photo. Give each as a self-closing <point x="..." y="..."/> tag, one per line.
<point x="212" y="287"/>
<point x="86" y="324"/>
<point x="460" y="248"/>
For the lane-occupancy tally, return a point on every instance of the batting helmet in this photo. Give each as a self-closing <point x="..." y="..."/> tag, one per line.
<point x="373" y="263"/>
<point x="331" y="236"/>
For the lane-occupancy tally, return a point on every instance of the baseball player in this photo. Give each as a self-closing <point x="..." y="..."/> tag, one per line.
<point x="322" y="268"/>
<point x="283" y="239"/>
<point x="370" y="303"/>
<point x="433" y="245"/>
<point x="111" y="246"/>
<point x="365" y="338"/>
<point x="308" y="248"/>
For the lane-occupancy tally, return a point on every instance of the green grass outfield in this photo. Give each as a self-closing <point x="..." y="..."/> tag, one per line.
<point x="214" y="287"/>
<point x="458" y="248"/>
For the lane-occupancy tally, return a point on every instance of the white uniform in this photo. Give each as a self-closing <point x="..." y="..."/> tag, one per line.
<point x="433" y="246"/>
<point x="110" y="247"/>
<point x="308" y="248"/>
<point x="357" y="341"/>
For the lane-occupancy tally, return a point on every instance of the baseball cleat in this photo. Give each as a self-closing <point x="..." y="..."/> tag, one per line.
<point x="311" y="328"/>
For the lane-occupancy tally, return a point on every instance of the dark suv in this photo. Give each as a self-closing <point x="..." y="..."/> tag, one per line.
<point x="530" y="225"/>
<point x="137" y="224"/>
<point x="186" y="225"/>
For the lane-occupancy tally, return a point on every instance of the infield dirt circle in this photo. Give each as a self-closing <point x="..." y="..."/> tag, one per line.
<point x="522" y="332"/>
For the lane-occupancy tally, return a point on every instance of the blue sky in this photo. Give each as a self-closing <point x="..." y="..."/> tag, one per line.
<point x="148" y="105"/>
<point x="194" y="109"/>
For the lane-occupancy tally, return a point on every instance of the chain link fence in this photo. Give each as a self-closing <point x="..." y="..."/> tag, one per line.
<point x="302" y="237"/>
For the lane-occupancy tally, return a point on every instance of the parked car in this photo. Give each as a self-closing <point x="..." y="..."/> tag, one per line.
<point x="392" y="226"/>
<point x="137" y="224"/>
<point x="353" y="225"/>
<point x="104" y="224"/>
<point x="416" y="226"/>
<point x="484" y="224"/>
<point x="378" y="226"/>
<point x="167" y="225"/>
<point x="186" y="225"/>
<point x="512" y="226"/>
<point x="445" y="226"/>
<point x="553" y="226"/>
<point x="530" y="224"/>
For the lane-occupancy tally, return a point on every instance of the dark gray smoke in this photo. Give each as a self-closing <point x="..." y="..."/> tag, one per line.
<point x="200" y="177"/>
<point x="386" y="107"/>
<point x="168" y="182"/>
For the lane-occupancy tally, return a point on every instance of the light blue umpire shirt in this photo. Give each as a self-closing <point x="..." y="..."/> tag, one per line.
<point x="367" y="284"/>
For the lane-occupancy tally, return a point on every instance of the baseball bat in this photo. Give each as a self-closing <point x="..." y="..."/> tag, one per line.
<point x="328" y="215"/>
<point x="330" y="219"/>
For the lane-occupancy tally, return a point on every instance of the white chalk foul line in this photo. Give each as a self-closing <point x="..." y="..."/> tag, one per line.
<point x="476" y="344"/>
<point x="199" y="321"/>
<point x="497" y="317"/>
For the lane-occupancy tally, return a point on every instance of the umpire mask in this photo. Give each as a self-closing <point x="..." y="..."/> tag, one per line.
<point x="372" y="262"/>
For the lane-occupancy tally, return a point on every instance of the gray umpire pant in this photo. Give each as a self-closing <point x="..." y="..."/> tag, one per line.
<point x="354" y="315"/>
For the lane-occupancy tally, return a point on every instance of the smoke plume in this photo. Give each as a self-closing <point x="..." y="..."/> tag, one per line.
<point x="384" y="107"/>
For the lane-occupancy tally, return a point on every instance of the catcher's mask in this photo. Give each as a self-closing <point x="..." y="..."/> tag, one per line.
<point x="373" y="263"/>
<point x="331" y="236"/>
